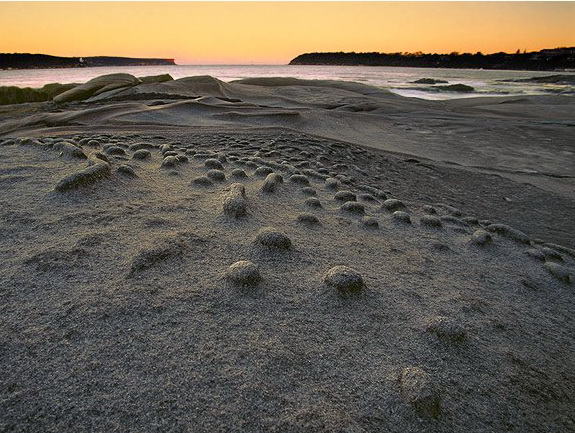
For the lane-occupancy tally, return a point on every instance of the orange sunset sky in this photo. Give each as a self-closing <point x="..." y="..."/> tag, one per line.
<point x="276" y="32"/>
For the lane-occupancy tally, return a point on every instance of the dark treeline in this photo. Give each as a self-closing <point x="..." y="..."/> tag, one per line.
<point x="544" y="60"/>
<point x="40" y="61"/>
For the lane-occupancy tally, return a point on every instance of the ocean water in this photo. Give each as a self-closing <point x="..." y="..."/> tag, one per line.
<point x="397" y="80"/>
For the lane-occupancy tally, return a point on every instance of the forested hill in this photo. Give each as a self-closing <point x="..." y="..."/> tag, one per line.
<point x="40" y="61"/>
<point x="544" y="60"/>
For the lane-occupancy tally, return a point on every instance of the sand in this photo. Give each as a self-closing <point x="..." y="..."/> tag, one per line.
<point x="287" y="256"/>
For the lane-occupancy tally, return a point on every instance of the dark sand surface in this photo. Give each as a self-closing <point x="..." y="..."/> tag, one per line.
<point x="121" y="310"/>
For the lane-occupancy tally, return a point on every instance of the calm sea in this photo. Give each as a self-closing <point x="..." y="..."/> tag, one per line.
<point x="398" y="80"/>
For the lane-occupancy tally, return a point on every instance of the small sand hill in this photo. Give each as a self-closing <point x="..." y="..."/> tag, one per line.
<point x="201" y="280"/>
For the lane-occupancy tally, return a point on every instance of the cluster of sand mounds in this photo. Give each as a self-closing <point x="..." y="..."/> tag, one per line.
<point x="229" y="281"/>
<point x="524" y="138"/>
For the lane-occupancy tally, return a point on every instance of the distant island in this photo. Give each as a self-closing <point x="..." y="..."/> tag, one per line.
<point x="544" y="60"/>
<point x="42" y="61"/>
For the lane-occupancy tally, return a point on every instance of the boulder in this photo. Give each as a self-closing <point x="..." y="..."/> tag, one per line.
<point x="156" y="79"/>
<point x="456" y="88"/>
<point x="429" y="81"/>
<point x="97" y="85"/>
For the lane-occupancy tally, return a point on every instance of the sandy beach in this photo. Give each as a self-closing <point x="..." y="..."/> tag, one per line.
<point x="286" y="255"/>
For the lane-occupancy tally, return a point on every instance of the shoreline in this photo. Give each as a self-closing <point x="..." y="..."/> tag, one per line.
<point x="485" y="83"/>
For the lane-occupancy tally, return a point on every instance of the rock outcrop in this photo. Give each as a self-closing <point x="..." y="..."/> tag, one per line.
<point x="96" y="86"/>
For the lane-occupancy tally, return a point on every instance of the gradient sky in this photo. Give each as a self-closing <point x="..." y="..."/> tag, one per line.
<point x="276" y="32"/>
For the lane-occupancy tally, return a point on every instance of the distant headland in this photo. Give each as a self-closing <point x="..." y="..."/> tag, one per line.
<point x="544" y="60"/>
<point x="42" y="61"/>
